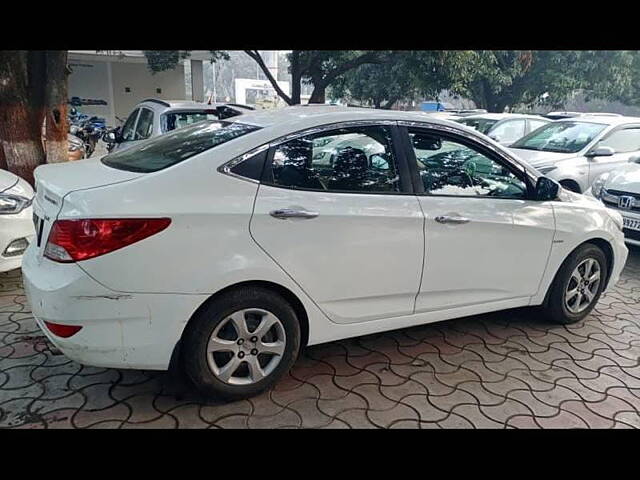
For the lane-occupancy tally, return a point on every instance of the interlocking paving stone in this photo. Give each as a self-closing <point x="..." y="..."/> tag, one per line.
<point x="507" y="369"/>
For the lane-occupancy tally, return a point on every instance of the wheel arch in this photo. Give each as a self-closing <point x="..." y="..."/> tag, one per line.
<point x="599" y="242"/>
<point x="287" y="294"/>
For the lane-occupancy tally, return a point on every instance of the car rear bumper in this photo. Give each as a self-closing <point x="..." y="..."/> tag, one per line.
<point x="12" y="228"/>
<point x="119" y="330"/>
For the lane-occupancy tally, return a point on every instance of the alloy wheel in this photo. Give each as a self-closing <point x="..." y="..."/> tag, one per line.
<point x="583" y="286"/>
<point x="246" y="346"/>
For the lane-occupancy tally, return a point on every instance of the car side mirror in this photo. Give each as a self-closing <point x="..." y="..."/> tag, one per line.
<point x="546" y="189"/>
<point x="601" y="152"/>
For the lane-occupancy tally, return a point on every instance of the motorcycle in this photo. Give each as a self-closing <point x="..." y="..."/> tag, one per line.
<point x="90" y="129"/>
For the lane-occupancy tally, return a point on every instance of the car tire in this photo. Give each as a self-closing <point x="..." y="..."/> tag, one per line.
<point x="216" y="327"/>
<point x="572" y="297"/>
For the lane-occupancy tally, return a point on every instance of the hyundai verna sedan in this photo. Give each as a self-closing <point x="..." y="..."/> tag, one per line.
<point x="227" y="246"/>
<point x="576" y="151"/>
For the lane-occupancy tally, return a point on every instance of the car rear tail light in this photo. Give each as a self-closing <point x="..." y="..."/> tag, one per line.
<point x="64" y="331"/>
<point x="76" y="240"/>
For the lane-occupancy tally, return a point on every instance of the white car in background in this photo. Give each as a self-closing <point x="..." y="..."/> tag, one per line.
<point x="230" y="245"/>
<point x="504" y="128"/>
<point x="620" y="190"/>
<point x="16" y="219"/>
<point x="153" y="117"/>
<point x="576" y="151"/>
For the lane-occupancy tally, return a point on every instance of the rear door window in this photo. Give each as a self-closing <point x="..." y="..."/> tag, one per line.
<point x="175" y="147"/>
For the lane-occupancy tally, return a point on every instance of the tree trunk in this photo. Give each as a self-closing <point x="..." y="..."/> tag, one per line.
<point x="22" y="76"/>
<point x="56" y="107"/>
<point x="296" y="78"/>
<point x="319" y="89"/>
<point x="3" y="161"/>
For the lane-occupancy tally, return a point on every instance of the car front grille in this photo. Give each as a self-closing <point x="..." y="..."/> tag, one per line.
<point x="611" y="197"/>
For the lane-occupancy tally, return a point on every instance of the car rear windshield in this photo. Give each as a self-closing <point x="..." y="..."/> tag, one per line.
<point x="175" y="147"/>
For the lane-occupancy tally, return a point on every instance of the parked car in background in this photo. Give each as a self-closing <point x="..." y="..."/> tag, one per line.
<point x="561" y="115"/>
<point x="620" y="189"/>
<point x="16" y="223"/>
<point x="504" y="128"/>
<point x="154" y="117"/>
<point x="235" y="243"/>
<point x="576" y="151"/>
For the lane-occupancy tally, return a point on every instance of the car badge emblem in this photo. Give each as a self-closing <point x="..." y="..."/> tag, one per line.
<point x="626" y="202"/>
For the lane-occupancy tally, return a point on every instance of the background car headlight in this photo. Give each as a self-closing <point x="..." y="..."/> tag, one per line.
<point x="545" y="170"/>
<point x="11" y="204"/>
<point x="598" y="185"/>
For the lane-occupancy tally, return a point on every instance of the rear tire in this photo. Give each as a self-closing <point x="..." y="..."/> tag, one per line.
<point x="241" y="343"/>
<point x="578" y="285"/>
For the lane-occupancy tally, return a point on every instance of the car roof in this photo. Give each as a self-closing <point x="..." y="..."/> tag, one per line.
<point x="160" y="104"/>
<point x="502" y="116"/>
<point x="305" y="116"/>
<point x="602" y="119"/>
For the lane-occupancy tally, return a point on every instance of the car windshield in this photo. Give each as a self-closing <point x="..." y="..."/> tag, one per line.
<point x="483" y="125"/>
<point x="174" y="147"/>
<point x="563" y="137"/>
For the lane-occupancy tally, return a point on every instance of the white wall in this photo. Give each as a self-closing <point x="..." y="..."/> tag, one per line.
<point x="91" y="78"/>
<point x="143" y="84"/>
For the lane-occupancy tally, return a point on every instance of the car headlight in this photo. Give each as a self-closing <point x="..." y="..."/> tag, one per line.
<point x="73" y="147"/>
<point x="598" y="185"/>
<point x="545" y="170"/>
<point x="11" y="204"/>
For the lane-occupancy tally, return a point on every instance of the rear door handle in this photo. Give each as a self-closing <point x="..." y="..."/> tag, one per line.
<point x="284" y="213"/>
<point x="452" y="219"/>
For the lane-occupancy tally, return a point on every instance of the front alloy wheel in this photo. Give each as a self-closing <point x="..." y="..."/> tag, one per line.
<point x="583" y="286"/>
<point x="578" y="285"/>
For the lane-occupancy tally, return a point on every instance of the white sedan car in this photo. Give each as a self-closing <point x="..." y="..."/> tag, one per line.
<point x="16" y="225"/>
<point x="230" y="245"/>
<point x="620" y="190"/>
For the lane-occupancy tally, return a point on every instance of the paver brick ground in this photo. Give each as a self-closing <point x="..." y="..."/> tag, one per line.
<point x="508" y="369"/>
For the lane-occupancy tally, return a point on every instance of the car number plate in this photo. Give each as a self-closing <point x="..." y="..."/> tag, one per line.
<point x="631" y="223"/>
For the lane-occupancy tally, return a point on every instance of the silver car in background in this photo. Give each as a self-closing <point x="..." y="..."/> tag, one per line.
<point x="576" y="151"/>
<point x="153" y="117"/>
<point x="504" y="128"/>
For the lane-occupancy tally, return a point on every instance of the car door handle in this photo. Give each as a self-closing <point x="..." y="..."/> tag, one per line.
<point x="284" y="213"/>
<point x="452" y="220"/>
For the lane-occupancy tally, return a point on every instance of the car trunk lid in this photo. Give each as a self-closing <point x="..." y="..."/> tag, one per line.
<point x="55" y="181"/>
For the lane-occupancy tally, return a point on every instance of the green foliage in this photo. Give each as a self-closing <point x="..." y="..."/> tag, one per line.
<point x="508" y="79"/>
<point x="403" y="76"/>
<point x="161" y="60"/>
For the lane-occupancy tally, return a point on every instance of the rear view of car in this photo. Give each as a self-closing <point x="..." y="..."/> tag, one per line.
<point x="16" y="226"/>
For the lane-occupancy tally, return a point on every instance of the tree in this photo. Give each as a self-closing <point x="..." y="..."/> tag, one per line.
<point x="32" y="88"/>
<point x="320" y="68"/>
<point x="500" y="80"/>
<point x="161" y="60"/>
<point x="402" y="76"/>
